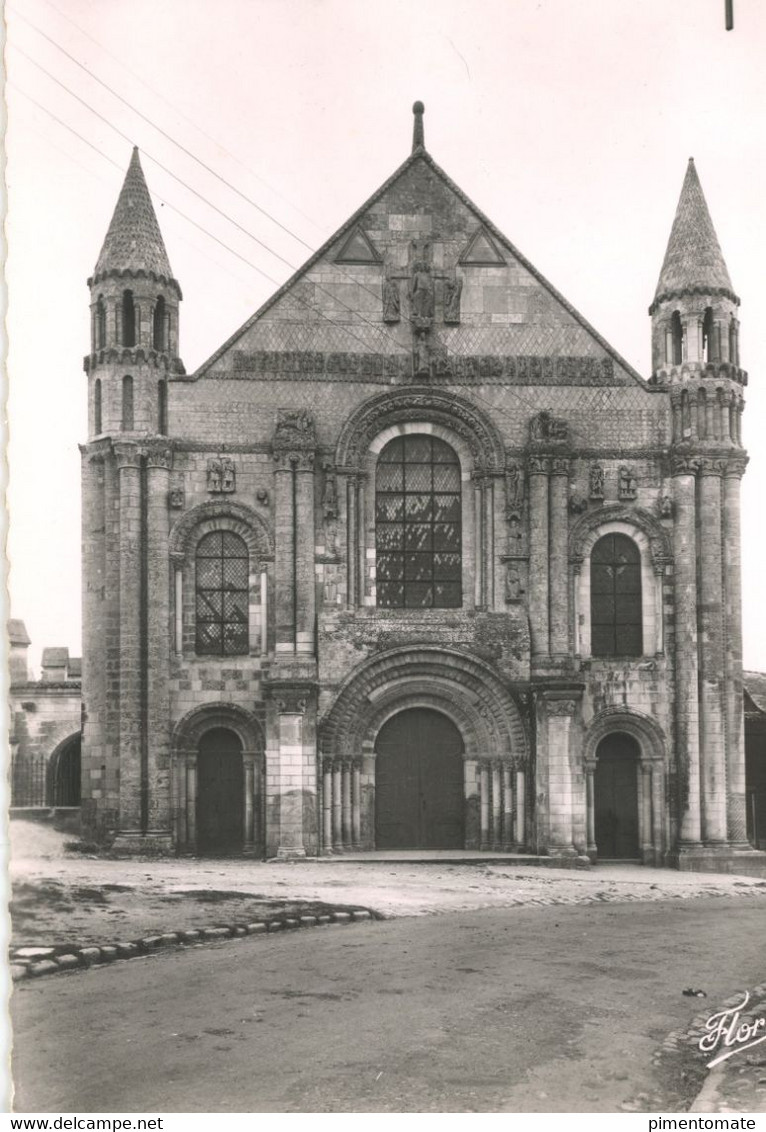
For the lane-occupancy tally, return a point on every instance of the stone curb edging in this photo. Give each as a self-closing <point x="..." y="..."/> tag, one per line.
<point x="44" y="961"/>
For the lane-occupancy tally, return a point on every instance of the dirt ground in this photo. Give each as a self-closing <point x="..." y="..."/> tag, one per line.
<point x="70" y="898"/>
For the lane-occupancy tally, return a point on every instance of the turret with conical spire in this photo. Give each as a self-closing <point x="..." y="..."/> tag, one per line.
<point x="134" y="318"/>
<point x="694" y="312"/>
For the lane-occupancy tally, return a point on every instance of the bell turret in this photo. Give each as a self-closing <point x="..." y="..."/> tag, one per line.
<point x="134" y="319"/>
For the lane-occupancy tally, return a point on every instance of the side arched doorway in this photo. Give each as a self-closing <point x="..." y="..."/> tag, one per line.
<point x="419" y="782"/>
<point x="616" y="797"/>
<point x="220" y="792"/>
<point x="64" y="774"/>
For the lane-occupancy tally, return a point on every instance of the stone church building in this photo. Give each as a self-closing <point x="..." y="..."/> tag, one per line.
<point x="415" y="560"/>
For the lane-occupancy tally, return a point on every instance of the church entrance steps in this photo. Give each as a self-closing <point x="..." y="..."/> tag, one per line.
<point x="455" y="857"/>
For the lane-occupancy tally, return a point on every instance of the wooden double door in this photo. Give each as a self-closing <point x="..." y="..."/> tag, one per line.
<point x="419" y="782"/>
<point x="616" y="797"/>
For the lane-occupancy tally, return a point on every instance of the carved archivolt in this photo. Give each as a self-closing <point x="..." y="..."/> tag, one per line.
<point x="465" y="689"/>
<point x="648" y="733"/>
<point x="419" y="403"/>
<point x="190" y="729"/>
<point x="585" y="531"/>
<point x="213" y="515"/>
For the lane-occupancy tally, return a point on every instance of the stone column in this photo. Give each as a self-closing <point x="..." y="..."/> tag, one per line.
<point x="645" y="803"/>
<point x="327" y="806"/>
<point x="284" y="553"/>
<point x="559" y="531"/>
<point x="521" y="807"/>
<point x="337" y="806"/>
<point x="352" y="542"/>
<point x="158" y="644"/>
<point x="736" y="818"/>
<point x="248" y="768"/>
<point x="484" y="804"/>
<point x="290" y="727"/>
<point x="497" y="806"/>
<point x="712" y="730"/>
<point x="191" y="800"/>
<point x="675" y="408"/>
<point x="507" y="806"/>
<point x="305" y="538"/>
<point x="590" y="784"/>
<point x="130" y="730"/>
<point x="687" y="702"/>
<point x="538" y="554"/>
<point x="95" y="645"/>
<point x="346" y="804"/>
<point x="558" y="717"/>
<point x="356" y="804"/>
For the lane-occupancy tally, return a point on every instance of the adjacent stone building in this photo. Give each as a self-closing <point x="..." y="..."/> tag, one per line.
<point x="415" y="559"/>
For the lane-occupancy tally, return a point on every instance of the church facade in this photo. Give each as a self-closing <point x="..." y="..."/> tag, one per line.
<point x="415" y="560"/>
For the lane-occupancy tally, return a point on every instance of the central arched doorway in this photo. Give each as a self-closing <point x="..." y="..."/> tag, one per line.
<point x="220" y="792"/>
<point x="616" y="797"/>
<point x="419" y="791"/>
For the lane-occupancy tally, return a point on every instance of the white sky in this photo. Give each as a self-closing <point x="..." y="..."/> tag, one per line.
<point x="568" y="121"/>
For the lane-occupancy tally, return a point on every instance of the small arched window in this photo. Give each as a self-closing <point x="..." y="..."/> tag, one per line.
<point x="676" y="339"/>
<point x="128" y="319"/>
<point x="615" y="597"/>
<point x="127" y="404"/>
<point x="162" y="407"/>
<point x="418" y="525"/>
<point x="158" y="329"/>
<point x="708" y="337"/>
<point x="100" y="323"/>
<point x="733" y="343"/>
<point x="97" y="406"/>
<point x="221" y="595"/>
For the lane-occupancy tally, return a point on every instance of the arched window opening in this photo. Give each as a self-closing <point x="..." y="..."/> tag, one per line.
<point x="128" y="319"/>
<point x="127" y="404"/>
<point x="733" y="343"/>
<point x="676" y="339"/>
<point x="158" y="331"/>
<point x="100" y="323"/>
<point x="615" y="597"/>
<point x="97" y="406"/>
<point x="708" y="337"/>
<point x="418" y="537"/>
<point x="222" y="595"/>
<point x="162" y="407"/>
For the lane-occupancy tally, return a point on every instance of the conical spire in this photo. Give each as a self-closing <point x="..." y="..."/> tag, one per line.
<point x="134" y="241"/>
<point x="693" y="260"/>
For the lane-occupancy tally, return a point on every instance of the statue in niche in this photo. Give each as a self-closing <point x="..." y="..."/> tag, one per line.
<point x="391" y="299"/>
<point x="214" y="476"/>
<point x="228" y="475"/>
<point x="421" y="356"/>
<point x="514" y="487"/>
<point x="262" y="496"/>
<point x="547" y="427"/>
<point x="330" y="495"/>
<point x="596" y="481"/>
<point x="514" y="526"/>
<point x="577" y="502"/>
<point x="177" y="499"/>
<point x="421" y="285"/>
<point x="665" y="506"/>
<point x="331" y="538"/>
<point x="514" y="587"/>
<point x="628" y="487"/>
<point x="453" y="286"/>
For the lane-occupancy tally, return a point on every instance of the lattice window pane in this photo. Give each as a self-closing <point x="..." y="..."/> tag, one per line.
<point x="222" y="566"/>
<point x="615" y="599"/>
<point x="413" y="517"/>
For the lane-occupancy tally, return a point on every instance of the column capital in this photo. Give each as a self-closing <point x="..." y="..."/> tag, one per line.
<point x="127" y="455"/>
<point x="735" y="466"/>
<point x="711" y="466"/>
<point x="538" y="465"/>
<point x="560" y="465"/>
<point x="159" y="454"/>
<point x="299" y="459"/>
<point x="684" y="464"/>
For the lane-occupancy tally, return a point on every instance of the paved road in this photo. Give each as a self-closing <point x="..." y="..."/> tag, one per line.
<point x="521" y="1009"/>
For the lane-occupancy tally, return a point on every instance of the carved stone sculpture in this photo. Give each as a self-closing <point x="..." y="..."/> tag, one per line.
<point x="547" y="427"/>
<point x="514" y="488"/>
<point x="596" y="481"/>
<point x="453" y="287"/>
<point x="514" y="587"/>
<point x="214" y="476"/>
<point x="628" y="487"/>
<point x="577" y="503"/>
<point x="391" y="299"/>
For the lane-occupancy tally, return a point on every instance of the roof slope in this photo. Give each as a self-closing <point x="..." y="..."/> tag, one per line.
<point x="693" y="259"/>
<point x="419" y="166"/>
<point x="134" y="241"/>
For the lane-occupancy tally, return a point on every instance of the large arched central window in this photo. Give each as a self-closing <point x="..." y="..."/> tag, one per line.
<point x="222" y="595"/>
<point x="418" y="525"/>
<point x="615" y="597"/>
